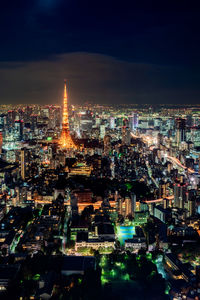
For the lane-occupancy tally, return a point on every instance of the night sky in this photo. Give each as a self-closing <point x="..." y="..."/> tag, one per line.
<point x="109" y="51"/>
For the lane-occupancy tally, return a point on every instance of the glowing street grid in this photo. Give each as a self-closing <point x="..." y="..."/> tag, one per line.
<point x="125" y="233"/>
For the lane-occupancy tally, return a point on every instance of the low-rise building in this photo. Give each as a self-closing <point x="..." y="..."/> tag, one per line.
<point x="135" y="243"/>
<point x="177" y="269"/>
<point x="77" y="264"/>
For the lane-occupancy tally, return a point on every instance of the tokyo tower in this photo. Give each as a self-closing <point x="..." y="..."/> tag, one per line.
<point x="65" y="139"/>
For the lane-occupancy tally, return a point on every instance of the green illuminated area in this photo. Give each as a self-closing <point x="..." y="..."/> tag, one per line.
<point x="125" y="273"/>
<point x="129" y="186"/>
<point x="116" y="272"/>
<point x="125" y="233"/>
<point x="73" y="236"/>
<point x="129" y="273"/>
<point x="36" y="277"/>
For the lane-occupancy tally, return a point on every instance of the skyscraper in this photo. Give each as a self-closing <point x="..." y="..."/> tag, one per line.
<point x="107" y="144"/>
<point x="112" y="123"/>
<point x="65" y="139"/>
<point x="18" y="132"/>
<point x="180" y="194"/>
<point x="126" y="135"/>
<point x="133" y="121"/>
<point x="23" y="163"/>
<point x="180" y="130"/>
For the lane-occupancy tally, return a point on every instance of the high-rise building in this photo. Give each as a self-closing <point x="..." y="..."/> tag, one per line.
<point x="120" y="206"/>
<point x="195" y="136"/>
<point x="107" y="144"/>
<point x="180" y="130"/>
<point x="33" y="119"/>
<point x="165" y="203"/>
<point x="128" y="207"/>
<point x="190" y="204"/>
<point x="23" y="163"/>
<point x="112" y="123"/>
<point x="102" y="131"/>
<point x="86" y="122"/>
<point x="180" y="194"/>
<point x="133" y="121"/>
<point x="65" y="139"/>
<point x="162" y="189"/>
<point x="157" y="122"/>
<point x="18" y="134"/>
<point x="11" y="117"/>
<point x="126" y="134"/>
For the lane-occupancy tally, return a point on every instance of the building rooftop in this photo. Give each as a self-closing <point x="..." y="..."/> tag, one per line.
<point x="78" y="263"/>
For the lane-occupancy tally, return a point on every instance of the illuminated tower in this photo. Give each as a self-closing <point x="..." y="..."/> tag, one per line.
<point x="65" y="139"/>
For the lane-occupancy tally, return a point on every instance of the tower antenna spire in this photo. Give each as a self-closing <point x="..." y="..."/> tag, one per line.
<point x="65" y="139"/>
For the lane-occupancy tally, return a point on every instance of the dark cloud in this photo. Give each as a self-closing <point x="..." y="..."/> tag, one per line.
<point x="140" y="31"/>
<point x="145" y="50"/>
<point x="95" y="78"/>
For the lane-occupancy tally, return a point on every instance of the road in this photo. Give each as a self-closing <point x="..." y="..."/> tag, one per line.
<point x="178" y="163"/>
<point x="173" y="159"/>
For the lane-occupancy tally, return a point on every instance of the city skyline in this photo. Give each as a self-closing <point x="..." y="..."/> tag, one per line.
<point x="99" y="150"/>
<point x="98" y="196"/>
